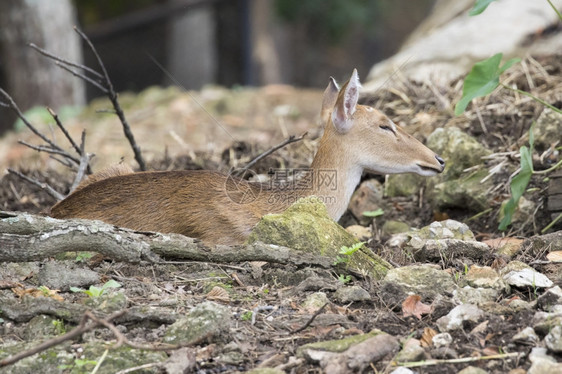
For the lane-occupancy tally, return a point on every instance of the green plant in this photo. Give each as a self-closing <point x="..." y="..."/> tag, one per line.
<point x="347" y="252"/>
<point x="59" y="326"/>
<point x="482" y="80"/>
<point x="84" y="256"/>
<point x="94" y="291"/>
<point x="247" y="316"/>
<point x="373" y="213"/>
<point x="344" y="278"/>
<point x="78" y="363"/>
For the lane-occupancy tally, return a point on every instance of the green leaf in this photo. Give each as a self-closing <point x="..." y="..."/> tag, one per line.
<point x="518" y="186"/>
<point x="482" y="80"/>
<point x="110" y="284"/>
<point x="348" y="251"/>
<point x="373" y="213"/>
<point x="479" y="7"/>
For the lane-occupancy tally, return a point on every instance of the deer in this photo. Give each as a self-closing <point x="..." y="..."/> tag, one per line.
<point x="222" y="209"/>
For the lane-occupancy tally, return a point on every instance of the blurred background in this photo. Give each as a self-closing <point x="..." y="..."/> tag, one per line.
<point x="199" y="42"/>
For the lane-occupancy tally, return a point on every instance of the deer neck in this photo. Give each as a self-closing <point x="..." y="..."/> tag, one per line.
<point x="335" y="176"/>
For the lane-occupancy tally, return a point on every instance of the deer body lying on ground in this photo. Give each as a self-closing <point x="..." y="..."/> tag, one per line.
<point x="223" y="209"/>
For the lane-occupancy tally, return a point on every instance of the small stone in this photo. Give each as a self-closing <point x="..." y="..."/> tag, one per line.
<point x="423" y="280"/>
<point x="526" y="336"/>
<point x="315" y="301"/>
<point x="442" y="340"/>
<point x="402" y="370"/>
<point x="394" y="227"/>
<point x="361" y="233"/>
<point x="208" y="320"/>
<point x="349" y="294"/>
<point x="544" y="322"/>
<point x="550" y="298"/>
<point x="519" y="274"/>
<point x="476" y="296"/>
<point x="542" y="363"/>
<point x="553" y="339"/>
<point x="485" y="277"/>
<point x="369" y="196"/>
<point x="472" y="370"/>
<point x="454" y="320"/>
<point x="411" y="351"/>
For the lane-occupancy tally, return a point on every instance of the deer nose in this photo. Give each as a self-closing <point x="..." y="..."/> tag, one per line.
<point x="441" y="161"/>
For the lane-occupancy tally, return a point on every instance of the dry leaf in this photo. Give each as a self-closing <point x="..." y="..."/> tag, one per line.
<point x="490" y="351"/>
<point x="555" y="256"/>
<point x="218" y="294"/>
<point x="37" y="292"/>
<point x="413" y="306"/>
<point x="480" y="328"/>
<point x="427" y="337"/>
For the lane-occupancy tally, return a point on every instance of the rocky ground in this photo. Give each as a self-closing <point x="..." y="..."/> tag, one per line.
<point x="444" y="291"/>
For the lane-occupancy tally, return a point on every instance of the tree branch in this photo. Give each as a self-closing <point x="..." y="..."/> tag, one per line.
<point x="27" y="237"/>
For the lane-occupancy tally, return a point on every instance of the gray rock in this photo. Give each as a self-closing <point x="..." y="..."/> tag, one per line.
<point x="394" y="227"/>
<point x="350" y="294"/>
<point x="526" y="336"/>
<point x="401" y="370"/>
<point x="444" y="240"/>
<point x="467" y="192"/>
<point x="485" y="277"/>
<point x="472" y="370"/>
<point x="306" y="226"/>
<point x="456" y="317"/>
<point x="315" y="301"/>
<point x="61" y="275"/>
<point x="411" y="351"/>
<point x="443" y="339"/>
<point x="353" y="354"/>
<point x="459" y="149"/>
<point x="553" y="339"/>
<point x="208" y="321"/>
<point x="403" y="184"/>
<point x="476" y="296"/>
<point x="519" y="274"/>
<point x="550" y="298"/>
<point x="542" y="363"/>
<point x="544" y="322"/>
<point x="40" y="326"/>
<point x="367" y="197"/>
<point x="423" y="280"/>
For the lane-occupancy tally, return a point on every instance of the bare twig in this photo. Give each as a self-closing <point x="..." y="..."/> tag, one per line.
<point x="63" y="129"/>
<point x="316" y="314"/>
<point x="84" y="77"/>
<point x="47" y="149"/>
<point x="84" y="163"/>
<point x="44" y="186"/>
<point x="65" y="62"/>
<point x="12" y="105"/>
<point x="115" y="102"/>
<point x="289" y="140"/>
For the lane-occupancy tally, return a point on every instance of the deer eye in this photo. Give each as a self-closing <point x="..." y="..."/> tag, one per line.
<point x="387" y="128"/>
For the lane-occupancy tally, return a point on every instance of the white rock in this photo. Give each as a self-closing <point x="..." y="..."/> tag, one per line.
<point x="527" y="278"/>
<point x="454" y="320"/>
<point x="442" y="340"/>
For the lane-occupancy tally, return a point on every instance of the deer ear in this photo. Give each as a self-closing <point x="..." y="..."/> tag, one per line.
<point x="346" y="104"/>
<point x="329" y="100"/>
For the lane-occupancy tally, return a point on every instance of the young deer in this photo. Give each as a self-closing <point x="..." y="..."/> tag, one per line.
<point x="221" y="209"/>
